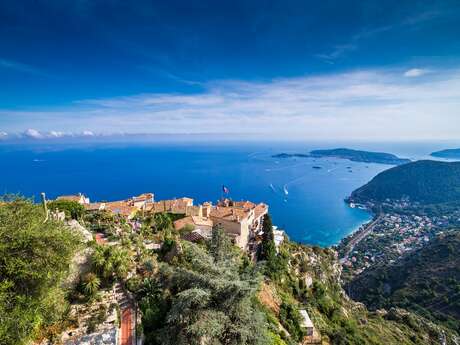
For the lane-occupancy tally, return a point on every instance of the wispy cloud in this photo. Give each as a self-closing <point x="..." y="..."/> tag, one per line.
<point x="21" y="67"/>
<point x="343" y="49"/>
<point x="415" y="72"/>
<point x="376" y="104"/>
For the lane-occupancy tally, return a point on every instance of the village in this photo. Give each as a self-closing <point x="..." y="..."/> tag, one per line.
<point x="392" y="236"/>
<point x="113" y="317"/>
<point x="241" y="220"/>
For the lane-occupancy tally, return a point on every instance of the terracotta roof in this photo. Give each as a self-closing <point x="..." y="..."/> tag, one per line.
<point x="192" y="220"/>
<point x="233" y="214"/>
<point x="247" y="205"/>
<point x="121" y="208"/>
<point x="260" y="210"/>
<point x="69" y="197"/>
<point x="95" y="206"/>
<point x="143" y="197"/>
<point x="194" y="236"/>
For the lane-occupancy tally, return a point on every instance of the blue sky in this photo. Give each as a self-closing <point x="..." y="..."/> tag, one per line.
<point x="323" y="69"/>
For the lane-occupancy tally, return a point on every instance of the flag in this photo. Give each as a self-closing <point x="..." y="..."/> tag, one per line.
<point x="225" y="190"/>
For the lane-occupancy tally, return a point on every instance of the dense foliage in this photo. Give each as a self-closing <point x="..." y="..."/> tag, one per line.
<point x="426" y="282"/>
<point x="34" y="259"/>
<point x="72" y="209"/>
<point x="426" y="182"/>
<point x="203" y="297"/>
<point x="267" y="247"/>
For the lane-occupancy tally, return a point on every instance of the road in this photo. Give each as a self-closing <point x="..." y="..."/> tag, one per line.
<point x="351" y="246"/>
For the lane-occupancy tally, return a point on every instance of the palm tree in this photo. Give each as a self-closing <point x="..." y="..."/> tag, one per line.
<point x="91" y="283"/>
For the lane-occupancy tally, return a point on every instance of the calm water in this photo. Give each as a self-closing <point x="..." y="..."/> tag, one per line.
<point x="306" y="202"/>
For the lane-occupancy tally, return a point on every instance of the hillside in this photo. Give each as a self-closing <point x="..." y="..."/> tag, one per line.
<point x="426" y="282"/>
<point x="449" y="153"/>
<point x="361" y="156"/>
<point x="352" y="155"/>
<point x="426" y="182"/>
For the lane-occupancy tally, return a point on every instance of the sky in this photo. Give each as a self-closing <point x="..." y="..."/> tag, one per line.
<point x="365" y="70"/>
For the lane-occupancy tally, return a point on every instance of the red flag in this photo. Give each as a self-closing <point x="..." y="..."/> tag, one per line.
<point x="225" y="190"/>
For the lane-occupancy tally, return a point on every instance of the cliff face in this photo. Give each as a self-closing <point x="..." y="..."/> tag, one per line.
<point x="312" y="282"/>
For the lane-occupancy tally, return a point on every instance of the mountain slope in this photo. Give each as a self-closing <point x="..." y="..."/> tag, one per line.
<point x="361" y="156"/>
<point x="449" y="153"/>
<point x="426" y="182"/>
<point x="426" y="282"/>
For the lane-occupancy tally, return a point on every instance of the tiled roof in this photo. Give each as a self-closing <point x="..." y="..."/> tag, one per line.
<point x="69" y="197"/>
<point x="259" y="210"/>
<point x="120" y="207"/>
<point x="193" y="236"/>
<point x="95" y="206"/>
<point x="233" y="214"/>
<point x="245" y="204"/>
<point x="192" y="220"/>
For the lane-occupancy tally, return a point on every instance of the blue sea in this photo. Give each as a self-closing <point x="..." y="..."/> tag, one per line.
<point x="305" y="201"/>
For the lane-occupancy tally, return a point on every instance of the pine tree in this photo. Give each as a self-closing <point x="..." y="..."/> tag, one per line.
<point x="221" y="246"/>
<point x="268" y="250"/>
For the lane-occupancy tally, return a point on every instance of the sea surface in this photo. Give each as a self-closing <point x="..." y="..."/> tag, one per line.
<point x="305" y="195"/>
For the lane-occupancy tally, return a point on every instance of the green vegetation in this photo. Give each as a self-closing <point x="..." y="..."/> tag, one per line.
<point x="311" y="281"/>
<point x="267" y="250"/>
<point x="361" y="156"/>
<point x="352" y="155"/>
<point x="425" y="182"/>
<point x="449" y="153"/>
<point x="110" y="262"/>
<point x="34" y="260"/>
<point x="426" y="282"/>
<point x="202" y="297"/>
<point x="207" y="293"/>
<point x="72" y="209"/>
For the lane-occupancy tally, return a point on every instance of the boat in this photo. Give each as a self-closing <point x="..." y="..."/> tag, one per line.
<point x="286" y="192"/>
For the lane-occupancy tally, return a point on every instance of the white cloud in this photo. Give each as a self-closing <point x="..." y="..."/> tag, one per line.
<point x="87" y="133"/>
<point x="55" y="134"/>
<point x="33" y="133"/>
<point x="415" y="72"/>
<point x="370" y="104"/>
<point x="3" y="135"/>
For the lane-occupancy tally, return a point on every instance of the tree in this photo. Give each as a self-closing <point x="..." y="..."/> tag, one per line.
<point x="72" y="209"/>
<point x="162" y="222"/>
<point x="208" y="300"/>
<point x="220" y="246"/>
<point x="91" y="283"/>
<point x="109" y="262"/>
<point x="34" y="259"/>
<point x="268" y="250"/>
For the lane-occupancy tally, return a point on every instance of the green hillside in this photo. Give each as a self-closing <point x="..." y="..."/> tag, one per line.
<point x="426" y="282"/>
<point x="361" y="156"/>
<point x="449" y="153"/>
<point x="426" y="182"/>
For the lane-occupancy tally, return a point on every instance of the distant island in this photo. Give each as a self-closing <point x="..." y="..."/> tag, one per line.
<point x="449" y="153"/>
<point x="352" y="155"/>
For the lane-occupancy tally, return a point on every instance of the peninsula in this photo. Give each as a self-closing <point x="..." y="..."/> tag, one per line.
<point x="352" y="155"/>
<point x="449" y="153"/>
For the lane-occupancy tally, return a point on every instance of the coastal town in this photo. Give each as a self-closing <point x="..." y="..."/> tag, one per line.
<point x="241" y="220"/>
<point x="401" y="227"/>
<point x="113" y="317"/>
